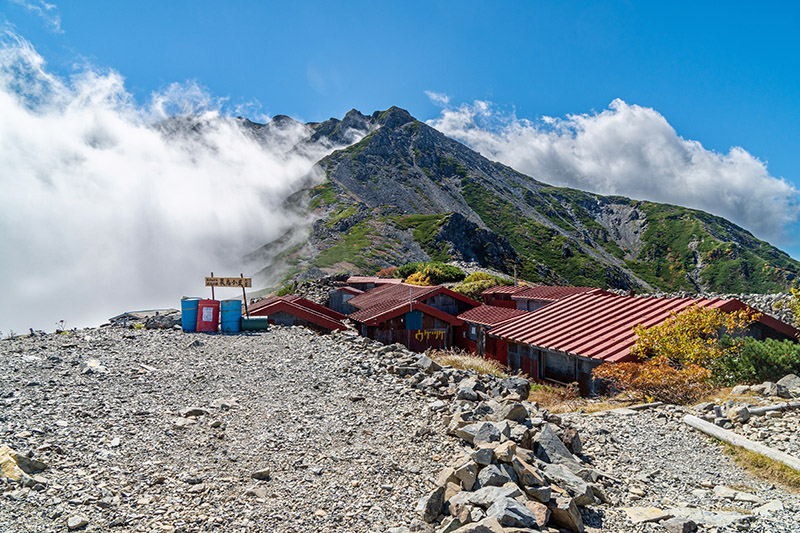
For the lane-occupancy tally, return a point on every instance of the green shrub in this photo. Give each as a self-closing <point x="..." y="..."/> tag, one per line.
<point x="475" y="288"/>
<point x="758" y="361"/>
<point x="436" y="272"/>
<point x="286" y="289"/>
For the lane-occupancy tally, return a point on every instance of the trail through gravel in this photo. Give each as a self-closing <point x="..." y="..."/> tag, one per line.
<point x="346" y="448"/>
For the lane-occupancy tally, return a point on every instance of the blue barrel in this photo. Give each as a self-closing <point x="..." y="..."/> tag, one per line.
<point x="189" y="313"/>
<point x="231" y="316"/>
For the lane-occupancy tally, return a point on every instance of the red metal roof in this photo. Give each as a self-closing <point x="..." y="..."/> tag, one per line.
<point x="504" y="289"/>
<point x="373" y="279"/>
<point x="491" y="315"/>
<point x="388" y="310"/>
<point x="345" y="288"/>
<point x="549" y="293"/>
<point x="599" y="325"/>
<point x="301" y="308"/>
<point x="402" y="292"/>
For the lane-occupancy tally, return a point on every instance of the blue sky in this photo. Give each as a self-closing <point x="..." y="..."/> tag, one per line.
<point x="722" y="77"/>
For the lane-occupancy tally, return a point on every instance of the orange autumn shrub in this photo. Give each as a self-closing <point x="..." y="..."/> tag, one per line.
<point x="656" y="379"/>
<point x="386" y="272"/>
<point x="419" y="278"/>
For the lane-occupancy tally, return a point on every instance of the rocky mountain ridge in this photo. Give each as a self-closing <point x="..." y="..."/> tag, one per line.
<point x="406" y="192"/>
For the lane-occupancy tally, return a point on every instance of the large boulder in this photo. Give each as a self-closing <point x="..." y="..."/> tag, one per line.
<point x="511" y="513"/>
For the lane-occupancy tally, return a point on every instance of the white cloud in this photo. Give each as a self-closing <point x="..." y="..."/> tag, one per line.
<point x="439" y="99"/>
<point x="102" y="213"/>
<point x="633" y="151"/>
<point x="47" y="12"/>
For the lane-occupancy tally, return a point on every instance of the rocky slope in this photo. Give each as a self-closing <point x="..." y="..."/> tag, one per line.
<point x="406" y="192"/>
<point x="285" y="430"/>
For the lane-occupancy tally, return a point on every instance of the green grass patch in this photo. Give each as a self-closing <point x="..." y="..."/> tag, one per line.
<point x="350" y="248"/>
<point x="765" y="468"/>
<point x="344" y="213"/>
<point x="425" y="228"/>
<point x="323" y="194"/>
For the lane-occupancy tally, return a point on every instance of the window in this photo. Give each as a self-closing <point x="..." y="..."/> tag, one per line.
<point x="473" y="332"/>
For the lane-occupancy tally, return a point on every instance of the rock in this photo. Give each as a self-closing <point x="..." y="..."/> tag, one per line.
<point x="679" y="525"/>
<point x="517" y="386"/>
<point x="430" y="506"/>
<point x="495" y="476"/>
<point x="549" y="448"/>
<point x="575" y="486"/>
<point x="485" y="496"/>
<point x="564" y="513"/>
<point x="709" y="518"/>
<point x="256" y="492"/>
<point x="739" y="414"/>
<point x="428" y="365"/>
<point x="541" y="494"/>
<point x="467" y="474"/>
<point x="740" y="390"/>
<point x="511" y="411"/>
<point x="747" y="497"/>
<point x="187" y="412"/>
<point x="505" y="452"/>
<point x="483" y="456"/>
<point x="183" y="423"/>
<point x="704" y="407"/>
<point x="467" y="433"/>
<point x="727" y="493"/>
<point x="76" y="522"/>
<point x="224" y="403"/>
<point x="769" y="508"/>
<point x="165" y="321"/>
<point x="792" y="383"/>
<point x="487" y="432"/>
<point x="511" y="513"/>
<point x="527" y="474"/>
<point x="449" y="525"/>
<point x="487" y="525"/>
<point x="16" y="466"/>
<point x="642" y="515"/>
<point x="261" y="474"/>
<point x="540" y="511"/>
<point x="467" y="390"/>
<point x="572" y="441"/>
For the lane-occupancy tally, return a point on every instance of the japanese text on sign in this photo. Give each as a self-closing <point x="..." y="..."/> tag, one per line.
<point x="228" y="282"/>
<point x="437" y="335"/>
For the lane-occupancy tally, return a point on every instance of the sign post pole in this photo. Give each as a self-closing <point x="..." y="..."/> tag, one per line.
<point x="212" y="288"/>
<point x="244" y="296"/>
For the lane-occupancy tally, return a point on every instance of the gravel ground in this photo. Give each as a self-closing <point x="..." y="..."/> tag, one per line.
<point x="346" y="450"/>
<point x="660" y="462"/>
<point x="777" y="430"/>
<point x="348" y="447"/>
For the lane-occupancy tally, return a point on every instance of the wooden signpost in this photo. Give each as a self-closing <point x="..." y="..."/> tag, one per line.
<point x="241" y="281"/>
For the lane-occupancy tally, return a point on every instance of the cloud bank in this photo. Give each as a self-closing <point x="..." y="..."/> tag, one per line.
<point x="101" y="212"/>
<point x="632" y="151"/>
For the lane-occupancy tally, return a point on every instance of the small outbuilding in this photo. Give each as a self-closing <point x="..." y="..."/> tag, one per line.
<point x="294" y="310"/>
<point x="338" y="299"/>
<point x="500" y="295"/>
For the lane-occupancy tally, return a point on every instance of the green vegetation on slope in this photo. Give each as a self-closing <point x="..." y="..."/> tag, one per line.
<point x="425" y="229"/>
<point x="534" y="242"/>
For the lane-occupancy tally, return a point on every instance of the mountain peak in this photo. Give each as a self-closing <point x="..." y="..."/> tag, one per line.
<point x="392" y="117"/>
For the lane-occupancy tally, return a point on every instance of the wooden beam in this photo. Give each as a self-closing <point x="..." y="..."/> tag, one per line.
<point x="737" y="440"/>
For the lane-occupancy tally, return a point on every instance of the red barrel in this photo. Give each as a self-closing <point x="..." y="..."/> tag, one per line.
<point x="207" y="315"/>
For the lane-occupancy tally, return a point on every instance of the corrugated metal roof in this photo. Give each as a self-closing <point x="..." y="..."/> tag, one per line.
<point x="491" y="315"/>
<point x="345" y="288"/>
<point x="388" y="310"/>
<point x="373" y="279"/>
<point x="402" y="292"/>
<point x="599" y="325"/>
<point x="549" y="292"/>
<point x="504" y="289"/>
<point x="301" y="308"/>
